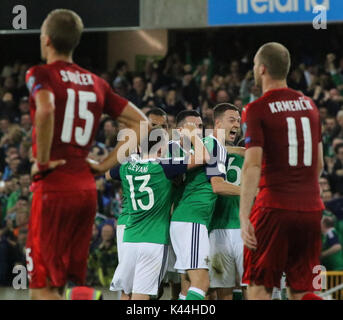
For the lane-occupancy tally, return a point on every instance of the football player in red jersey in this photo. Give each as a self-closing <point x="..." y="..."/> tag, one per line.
<point x="284" y="158"/>
<point x="66" y="103"/>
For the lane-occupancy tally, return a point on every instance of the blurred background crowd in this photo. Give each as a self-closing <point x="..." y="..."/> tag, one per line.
<point x="172" y="84"/>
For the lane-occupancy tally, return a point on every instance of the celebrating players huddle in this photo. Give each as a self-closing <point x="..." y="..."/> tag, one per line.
<point x="150" y="194"/>
<point x="184" y="209"/>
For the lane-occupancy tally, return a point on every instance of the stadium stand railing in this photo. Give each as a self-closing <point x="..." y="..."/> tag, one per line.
<point x="334" y="285"/>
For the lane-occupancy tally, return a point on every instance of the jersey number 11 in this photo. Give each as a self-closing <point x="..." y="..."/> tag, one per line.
<point x="293" y="142"/>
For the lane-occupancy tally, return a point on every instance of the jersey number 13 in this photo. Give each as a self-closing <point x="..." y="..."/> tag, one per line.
<point x="143" y="188"/>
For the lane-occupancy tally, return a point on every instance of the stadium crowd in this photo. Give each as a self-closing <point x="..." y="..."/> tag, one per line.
<point x="172" y="84"/>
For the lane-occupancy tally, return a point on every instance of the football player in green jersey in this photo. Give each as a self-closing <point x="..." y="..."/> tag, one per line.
<point x="157" y="118"/>
<point x="226" y="245"/>
<point x="177" y="148"/>
<point x="146" y="184"/>
<point x="191" y="218"/>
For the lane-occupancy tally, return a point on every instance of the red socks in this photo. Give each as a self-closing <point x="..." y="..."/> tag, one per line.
<point x="311" y="296"/>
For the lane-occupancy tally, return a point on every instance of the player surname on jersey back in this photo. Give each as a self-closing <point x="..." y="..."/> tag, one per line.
<point x="290" y="105"/>
<point x="84" y="79"/>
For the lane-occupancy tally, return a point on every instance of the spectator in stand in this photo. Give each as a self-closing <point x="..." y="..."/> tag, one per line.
<point x="331" y="256"/>
<point x="172" y="104"/>
<point x="24" y="106"/>
<point x="104" y="259"/>
<point x="121" y="73"/>
<point x="297" y="80"/>
<point x="109" y="133"/>
<point x="137" y="93"/>
<point x="337" y="172"/>
<point x="222" y="96"/>
<point x="328" y="135"/>
<point x="26" y="124"/>
<point x="121" y="87"/>
<point x="190" y="90"/>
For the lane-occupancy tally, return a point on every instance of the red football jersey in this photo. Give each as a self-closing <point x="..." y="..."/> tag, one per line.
<point x="286" y="125"/>
<point x="80" y="99"/>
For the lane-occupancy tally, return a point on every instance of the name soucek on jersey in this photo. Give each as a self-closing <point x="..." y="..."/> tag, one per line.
<point x="80" y="97"/>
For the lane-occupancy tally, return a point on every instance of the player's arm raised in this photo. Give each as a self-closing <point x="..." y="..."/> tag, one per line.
<point x="44" y="123"/>
<point x="250" y="178"/>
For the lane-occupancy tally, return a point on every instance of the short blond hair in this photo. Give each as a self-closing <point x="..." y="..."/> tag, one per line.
<point x="64" y="28"/>
<point x="276" y="58"/>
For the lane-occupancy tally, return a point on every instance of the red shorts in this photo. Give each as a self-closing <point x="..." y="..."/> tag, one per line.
<point x="287" y="241"/>
<point x="60" y="230"/>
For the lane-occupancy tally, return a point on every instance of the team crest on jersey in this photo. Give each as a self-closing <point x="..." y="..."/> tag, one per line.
<point x="30" y="83"/>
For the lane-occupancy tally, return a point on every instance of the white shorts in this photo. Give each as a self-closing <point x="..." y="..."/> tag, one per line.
<point x="120" y="236"/>
<point x="226" y="258"/>
<point x="191" y="245"/>
<point x="141" y="269"/>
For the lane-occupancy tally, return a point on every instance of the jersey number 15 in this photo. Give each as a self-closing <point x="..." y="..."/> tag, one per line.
<point x="82" y="136"/>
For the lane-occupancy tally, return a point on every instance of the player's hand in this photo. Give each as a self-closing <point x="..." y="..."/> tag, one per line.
<point x="248" y="235"/>
<point x="96" y="167"/>
<point x="52" y="166"/>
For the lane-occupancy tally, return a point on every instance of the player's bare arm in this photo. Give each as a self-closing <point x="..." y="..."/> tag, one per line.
<point x="236" y="150"/>
<point x="335" y="248"/>
<point x="224" y="188"/>
<point x="131" y="117"/>
<point x="320" y="159"/>
<point x="250" y="178"/>
<point x="44" y="121"/>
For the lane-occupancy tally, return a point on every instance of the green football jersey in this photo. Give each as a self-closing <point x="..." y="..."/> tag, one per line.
<point x="198" y="200"/>
<point x="147" y="186"/>
<point x="124" y="215"/>
<point x="226" y="212"/>
<point x="333" y="262"/>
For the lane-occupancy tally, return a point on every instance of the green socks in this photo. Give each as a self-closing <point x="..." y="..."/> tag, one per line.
<point x="195" y="294"/>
